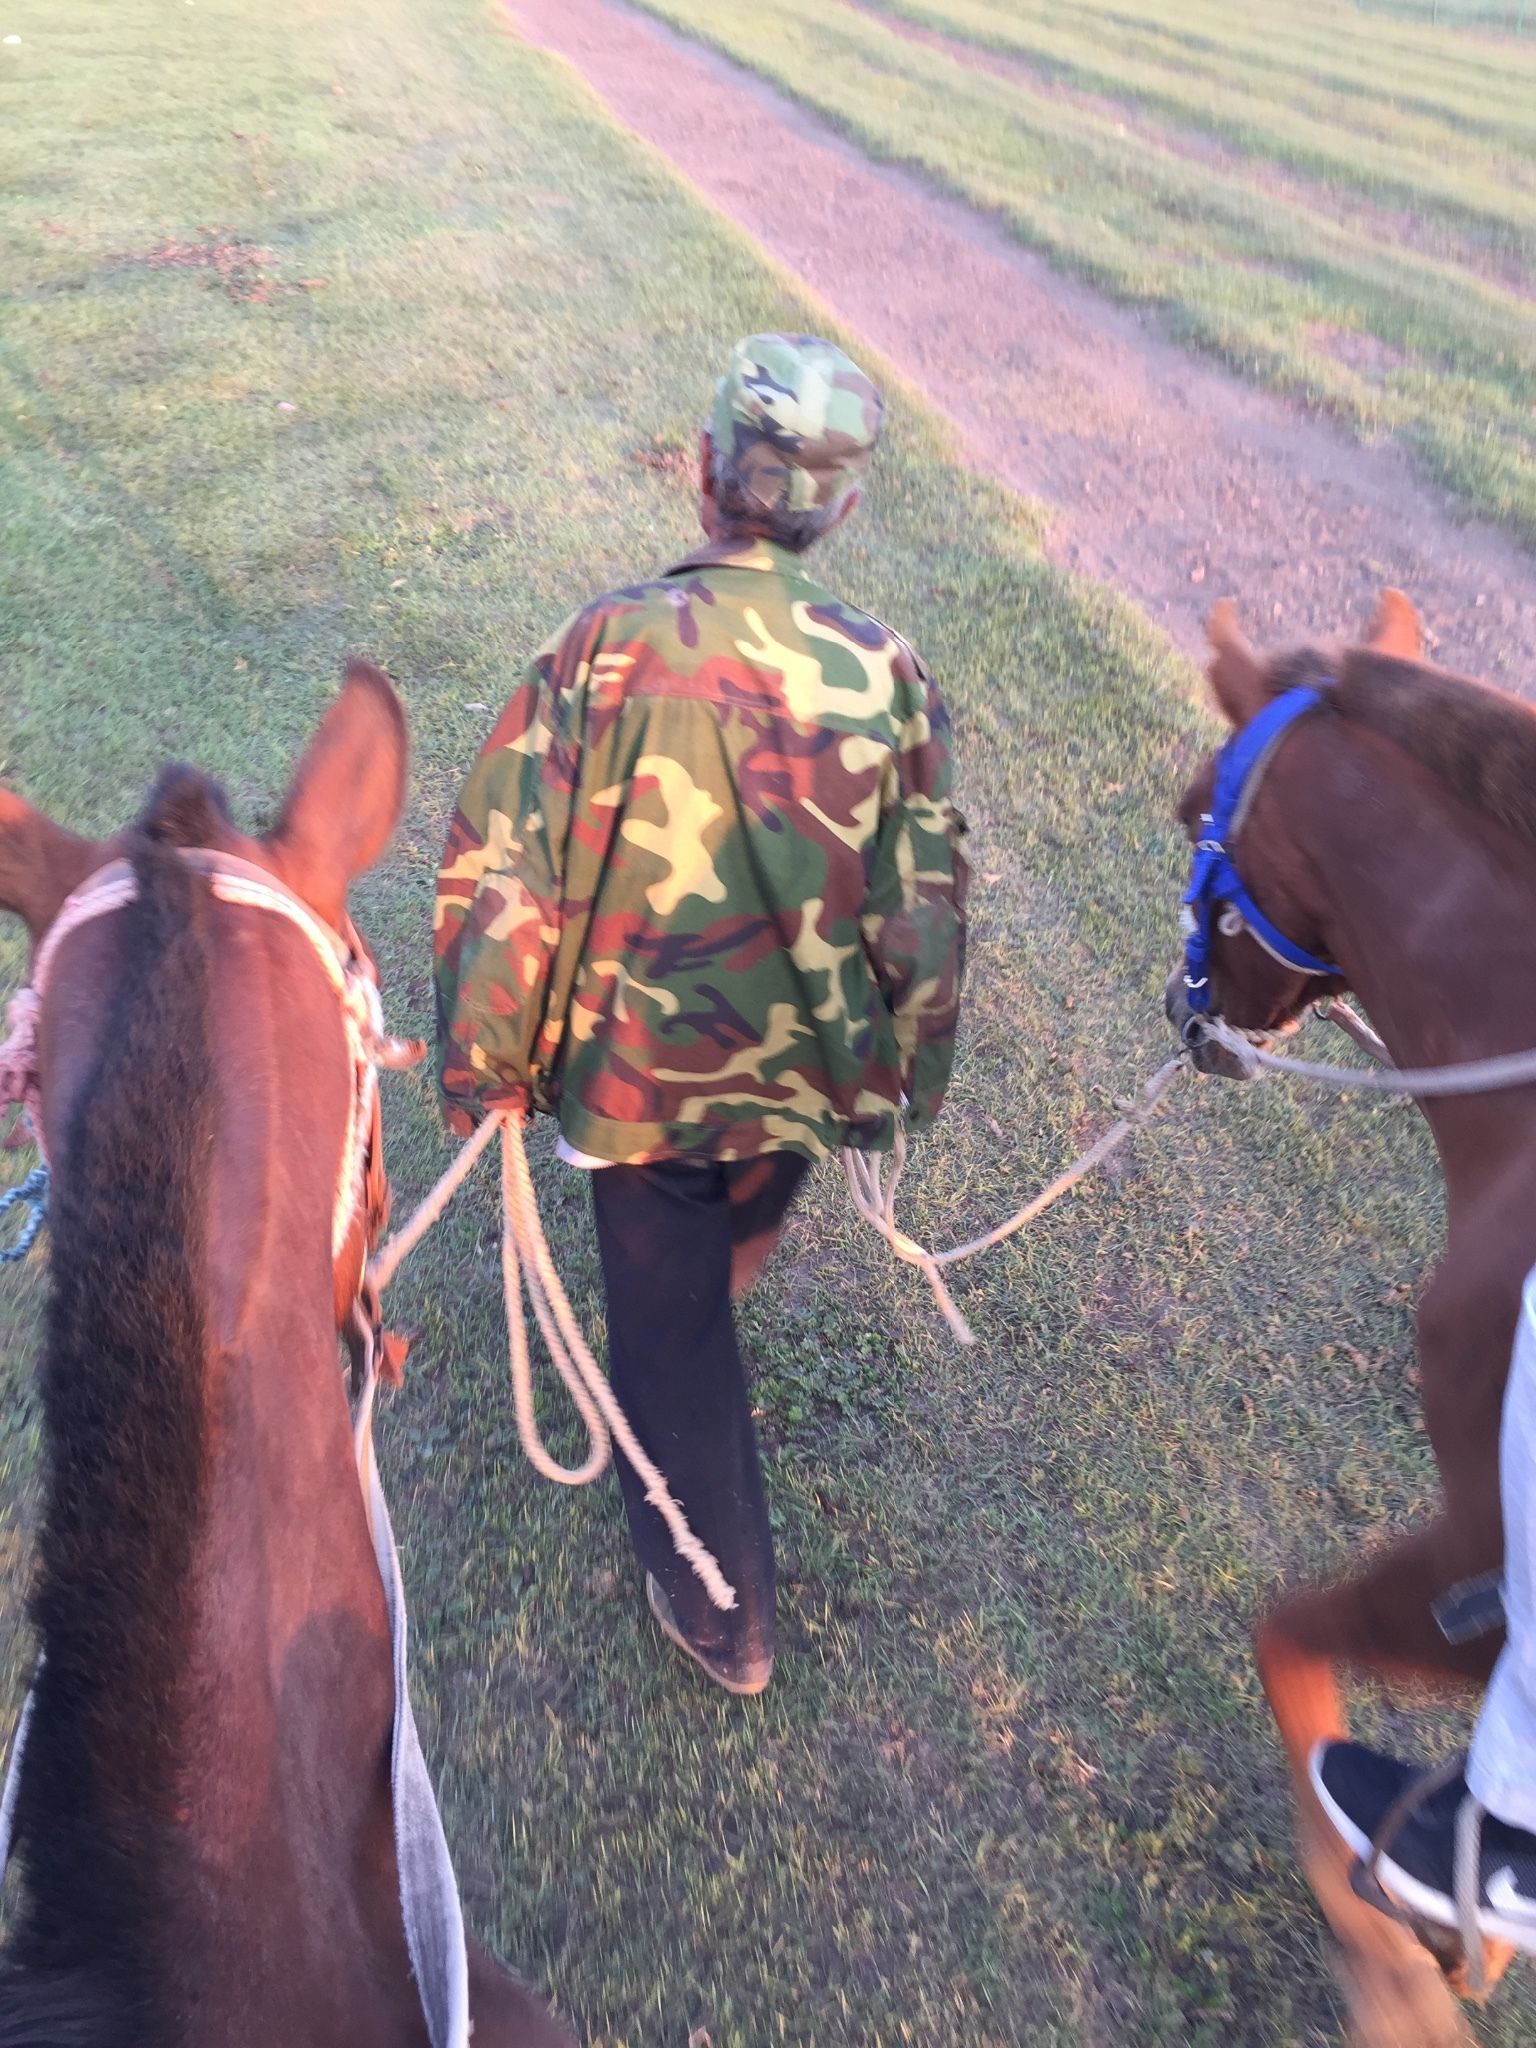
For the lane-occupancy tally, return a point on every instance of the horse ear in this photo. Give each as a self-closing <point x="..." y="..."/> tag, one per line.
<point x="1238" y="681"/>
<point x="1395" y="629"/>
<point x="346" y="793"/>
<point x="40" y="863"/>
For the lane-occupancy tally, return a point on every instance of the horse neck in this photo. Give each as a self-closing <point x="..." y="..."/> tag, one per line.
<point x="215" y="1703"/>
<point x="1428" y="910"/>
<point x="289" y="1590"/>
<point x="292" y="1670"/>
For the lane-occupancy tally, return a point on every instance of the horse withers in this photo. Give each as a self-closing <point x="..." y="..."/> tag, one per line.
<point x="204" y="1821"/>
<point x="1385" y="842"/>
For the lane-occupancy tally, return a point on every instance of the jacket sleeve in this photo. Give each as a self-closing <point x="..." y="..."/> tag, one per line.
<point x="914" y="911"/>
<point x="498" y="909"/>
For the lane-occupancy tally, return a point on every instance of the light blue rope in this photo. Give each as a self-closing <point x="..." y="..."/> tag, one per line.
<point x="31" y="1195"/>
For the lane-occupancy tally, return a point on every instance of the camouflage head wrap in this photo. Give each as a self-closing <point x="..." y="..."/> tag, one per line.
<point x="797" y="419"/>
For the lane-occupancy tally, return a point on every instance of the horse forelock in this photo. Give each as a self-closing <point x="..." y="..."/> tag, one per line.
<point x="185" y="808"/>
<point x="1302" y="668"/>
<point x="122" y="1384"/>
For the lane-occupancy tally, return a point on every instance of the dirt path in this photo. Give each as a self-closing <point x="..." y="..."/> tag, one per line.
<point x="1166" y="476"/>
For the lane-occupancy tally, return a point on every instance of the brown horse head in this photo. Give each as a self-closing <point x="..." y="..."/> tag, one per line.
<point x="1393" y="835"/>
<point x="204" y="1824"/>
<point x="1250" y="987"/>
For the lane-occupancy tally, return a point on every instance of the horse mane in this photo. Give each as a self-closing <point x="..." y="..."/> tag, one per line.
<point x="122" y="1387"/>
<point x="73" y="2010"/>
<point x="1480" y="741"/>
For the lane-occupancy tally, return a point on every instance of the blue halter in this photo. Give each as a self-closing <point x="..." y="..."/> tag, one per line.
<point x="1214" y="879"/>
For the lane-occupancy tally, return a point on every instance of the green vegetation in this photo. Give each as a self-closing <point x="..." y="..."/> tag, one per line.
<point x="1313" y="93"/>
<point x="1512" y="16"/>
<point x="1341" y="207"/>
<point x="328" y="326"/>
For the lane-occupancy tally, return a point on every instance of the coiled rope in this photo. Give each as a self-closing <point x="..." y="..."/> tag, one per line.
<point x="525" y="1256"/>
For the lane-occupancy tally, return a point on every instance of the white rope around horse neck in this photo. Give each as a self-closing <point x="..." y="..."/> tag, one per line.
<point x="109" y="888"/>
<point x="239" y="882"/>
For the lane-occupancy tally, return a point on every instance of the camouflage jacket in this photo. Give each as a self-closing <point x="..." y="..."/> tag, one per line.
<point x="704" y="891"/>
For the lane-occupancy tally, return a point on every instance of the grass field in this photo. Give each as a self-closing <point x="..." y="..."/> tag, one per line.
<point x="1339" y="205"/>
<point x="328" y="326"/>
<point x="1510" y="17"/>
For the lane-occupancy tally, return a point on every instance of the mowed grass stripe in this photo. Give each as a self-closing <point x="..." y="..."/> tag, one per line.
<point x="1382" y="66"/>
<point x="1262" y="283"/>
<point x="1013" y="1782"/>
<point x="1434" y="166"/>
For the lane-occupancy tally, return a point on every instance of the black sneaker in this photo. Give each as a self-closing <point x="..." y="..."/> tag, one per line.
<point x="1358" y="1788"/>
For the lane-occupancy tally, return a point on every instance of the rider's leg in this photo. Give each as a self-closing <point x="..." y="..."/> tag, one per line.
<point x="1501" y="1770"/>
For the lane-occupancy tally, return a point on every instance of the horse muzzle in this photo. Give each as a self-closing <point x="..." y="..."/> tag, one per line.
<point x="1209" y="1058"/>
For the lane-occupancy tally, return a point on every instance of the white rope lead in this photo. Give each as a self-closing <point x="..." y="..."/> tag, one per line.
<point x="874" y="1195"/>
<point x="1471" y="1077"/>
<point x="387" y="1260"/>
<point x="526" y="1262"/>
<point x="525" y="1259"/>
<point x="525" y="1256"/>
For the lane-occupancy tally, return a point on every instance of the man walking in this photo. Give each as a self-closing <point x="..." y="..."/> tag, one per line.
<point x="703" y="902"/>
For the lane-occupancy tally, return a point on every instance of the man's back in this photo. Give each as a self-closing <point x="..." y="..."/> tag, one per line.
<point x="714" y="828"/>
<point x="703" y="898"/>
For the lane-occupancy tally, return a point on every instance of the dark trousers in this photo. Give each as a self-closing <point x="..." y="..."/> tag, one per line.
<point x="677" y="1240"/>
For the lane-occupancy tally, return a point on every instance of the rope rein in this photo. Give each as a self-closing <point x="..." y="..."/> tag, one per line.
<point x="1472" y="1077"/>
<point x="873" y="1188"/>
<point x="526" y="1260"/>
